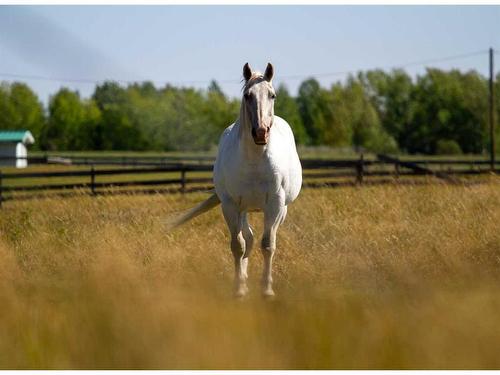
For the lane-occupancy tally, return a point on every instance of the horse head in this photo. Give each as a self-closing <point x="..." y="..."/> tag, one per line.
<point x="258" y="102"/>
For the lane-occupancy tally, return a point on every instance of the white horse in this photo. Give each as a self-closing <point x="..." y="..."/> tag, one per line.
<point x="257" y="169"/>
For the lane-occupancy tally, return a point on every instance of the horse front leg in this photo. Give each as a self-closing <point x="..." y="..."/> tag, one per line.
<point x="247" y="232"/>
<point x="273" y="217"/>
<point x="234" y="220"/>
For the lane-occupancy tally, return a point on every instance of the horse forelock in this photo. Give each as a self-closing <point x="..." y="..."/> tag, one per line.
<point x="256" y="77"/>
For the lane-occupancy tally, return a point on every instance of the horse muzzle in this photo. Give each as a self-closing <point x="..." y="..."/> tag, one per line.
<point x="260" y="135"/>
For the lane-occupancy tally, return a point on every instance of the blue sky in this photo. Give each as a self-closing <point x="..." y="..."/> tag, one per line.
<point x="190" y="45"/>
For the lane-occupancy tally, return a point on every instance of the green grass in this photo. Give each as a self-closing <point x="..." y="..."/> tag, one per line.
<point x="124" y="153"/>
<point x="309" y="152"/>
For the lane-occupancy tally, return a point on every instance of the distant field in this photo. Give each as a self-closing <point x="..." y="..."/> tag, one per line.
<point x="317" y="152"/>
<point x="375" y="277"/>
<point x="311" y="152"/>
<point x="123" y="153"/>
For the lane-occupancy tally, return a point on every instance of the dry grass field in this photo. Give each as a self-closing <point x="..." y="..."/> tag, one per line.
<point x="367" y="278"/>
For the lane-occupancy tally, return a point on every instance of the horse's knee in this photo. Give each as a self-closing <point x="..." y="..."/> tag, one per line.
<point x="238" y="245"/>
<point x="267" y="245"/>
<point x="248" y="236"/>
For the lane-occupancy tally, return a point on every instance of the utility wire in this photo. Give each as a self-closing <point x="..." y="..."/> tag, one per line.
<point x="413" y="63"/>
<point x="282" y="78"/>
<point x="43" y="78"/>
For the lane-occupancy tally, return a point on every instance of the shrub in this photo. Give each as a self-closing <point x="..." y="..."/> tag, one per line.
<point x="448" y="147"/>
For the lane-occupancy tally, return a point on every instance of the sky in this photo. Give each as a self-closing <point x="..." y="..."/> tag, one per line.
<point x="77" y="46"/>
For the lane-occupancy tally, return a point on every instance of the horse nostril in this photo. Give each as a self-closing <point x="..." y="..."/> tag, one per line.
<point x="261" y="132"/>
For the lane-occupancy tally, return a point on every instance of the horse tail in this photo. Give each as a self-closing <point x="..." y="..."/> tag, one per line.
<point x="197" y="210"/>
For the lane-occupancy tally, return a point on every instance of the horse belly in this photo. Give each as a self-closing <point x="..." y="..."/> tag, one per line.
<point x="292" y="184"/>
<point x="254" y="199"/>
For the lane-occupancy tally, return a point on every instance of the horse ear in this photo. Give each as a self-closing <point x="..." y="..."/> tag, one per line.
<point x="247" y="72"/>
<point x="268" y="75"/>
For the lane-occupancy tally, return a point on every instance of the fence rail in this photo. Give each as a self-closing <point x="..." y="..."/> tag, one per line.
<point x="207" y="160"/>
<point x="359" y="171"/>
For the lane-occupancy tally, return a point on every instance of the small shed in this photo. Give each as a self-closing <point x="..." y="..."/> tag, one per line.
<point x="13" y="151"/>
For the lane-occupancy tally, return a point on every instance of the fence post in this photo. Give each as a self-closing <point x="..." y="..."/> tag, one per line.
<point x="183" y="180"/>
<point x="491" y="111"/>
<point x="92" y="179"/>
<point x="359" y="170"/>
<point x="396" y="168"/>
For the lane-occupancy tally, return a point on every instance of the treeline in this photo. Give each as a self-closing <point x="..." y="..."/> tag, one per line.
<point x="440" y="112"/>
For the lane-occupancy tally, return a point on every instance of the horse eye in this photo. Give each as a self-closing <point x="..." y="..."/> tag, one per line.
<point x="273" y="96"/>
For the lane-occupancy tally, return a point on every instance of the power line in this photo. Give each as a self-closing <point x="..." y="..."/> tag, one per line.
<point x="413" y="63"/>
<point x="282" y="78"/>
<point x="92" y="81"/>
<point x="449" y="58"/>
<point x="43" y="78"/>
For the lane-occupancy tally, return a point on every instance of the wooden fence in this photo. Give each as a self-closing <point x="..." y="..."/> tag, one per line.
<point x="315" y="172"/>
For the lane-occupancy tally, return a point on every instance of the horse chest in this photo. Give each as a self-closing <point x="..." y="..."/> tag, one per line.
<point x="255" y="185"/>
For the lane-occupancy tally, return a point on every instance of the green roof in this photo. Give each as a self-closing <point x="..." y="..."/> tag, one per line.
<point x="24" y="136"/>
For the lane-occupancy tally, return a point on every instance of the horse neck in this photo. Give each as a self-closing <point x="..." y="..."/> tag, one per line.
<point x="247" y="147"/>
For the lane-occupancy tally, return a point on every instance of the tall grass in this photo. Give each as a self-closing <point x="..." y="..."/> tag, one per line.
<point x="375" y="277"/>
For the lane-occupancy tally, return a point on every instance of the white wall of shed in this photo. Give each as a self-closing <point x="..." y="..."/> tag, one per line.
<point x="21" y="152"/>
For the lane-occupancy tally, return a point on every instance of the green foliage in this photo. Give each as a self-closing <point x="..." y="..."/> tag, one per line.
<point x="447" y="147"/>
<point x="118" y="129"/>
<point x="447" y="105"/>
<point x="440" y="111"/>
<point x="20" y="109"/>
<point x="286" y="107"/>
<point x="220" y="112"/>
<point x="315" y="110"/>
<point x="390" y="93"/>
<point x="71" y="124"/>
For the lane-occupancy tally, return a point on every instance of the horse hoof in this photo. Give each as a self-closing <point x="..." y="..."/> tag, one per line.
<point x="240" y="296"/>
<point x="241" y="292"/>
<point x="268" y="294"/>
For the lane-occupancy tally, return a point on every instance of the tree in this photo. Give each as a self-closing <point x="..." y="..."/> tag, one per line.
<point x="21" y="109"/>
<point x="7" y="119"/>
<point x="219" y="111"/>
<point x="339" y="132"/>
<point x="72" y="122"/>
<point x="286" y="107"/>
<point x="365" y="125"/>
<point x="65" y="117"/>
<point x="85" y="138"/>
<point x="186" y="127"/>
<point x="440" y="111"/>
<point x="391" y="95"/>
<point x="313" y="104"/>
<point x="447" y="105"/>
<point x="117" y="129"/>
